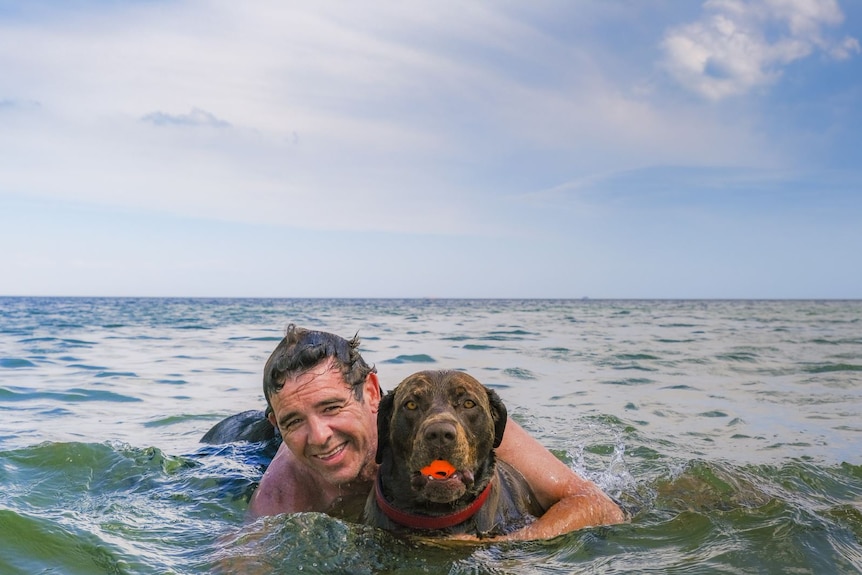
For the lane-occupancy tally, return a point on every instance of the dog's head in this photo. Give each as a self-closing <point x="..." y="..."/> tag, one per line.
<point x="442" y="418"/>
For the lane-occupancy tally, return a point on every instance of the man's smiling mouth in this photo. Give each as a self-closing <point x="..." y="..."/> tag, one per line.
<point x="332" y="453"/>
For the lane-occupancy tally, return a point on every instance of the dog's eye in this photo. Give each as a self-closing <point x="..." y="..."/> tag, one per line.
<point x="411" y="405"/>
<point x="469" y="404"/>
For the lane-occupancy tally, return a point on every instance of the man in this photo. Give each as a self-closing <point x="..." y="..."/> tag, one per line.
<point x="323" y="397"/>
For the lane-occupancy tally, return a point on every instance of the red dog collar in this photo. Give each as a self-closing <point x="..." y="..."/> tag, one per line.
<point x="425" y="521"/>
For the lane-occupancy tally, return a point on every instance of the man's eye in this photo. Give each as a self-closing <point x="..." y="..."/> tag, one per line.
<point x="332" y="409"/>
<point x="469" y="404"/>
<point x="410" y="405"/>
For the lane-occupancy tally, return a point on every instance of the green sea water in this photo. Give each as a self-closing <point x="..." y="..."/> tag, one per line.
<point x="728" y="429"/>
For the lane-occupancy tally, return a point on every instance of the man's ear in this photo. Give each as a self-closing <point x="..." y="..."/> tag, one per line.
<point x="498" y="414"/>
<point x="384" y="416"/>
<point x="372" y="391"/>
<point x="270" y="415"/>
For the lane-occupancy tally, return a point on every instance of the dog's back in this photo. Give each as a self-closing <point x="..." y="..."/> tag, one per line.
<point x="515" y="506"/>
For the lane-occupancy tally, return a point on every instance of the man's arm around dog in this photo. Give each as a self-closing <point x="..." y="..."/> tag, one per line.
<point x="572" y="502"/>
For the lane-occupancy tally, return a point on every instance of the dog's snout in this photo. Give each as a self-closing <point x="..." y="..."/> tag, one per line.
<point x="441" y="433"/>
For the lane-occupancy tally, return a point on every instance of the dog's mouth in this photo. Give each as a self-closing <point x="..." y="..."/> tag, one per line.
<point x="441" y="482"/>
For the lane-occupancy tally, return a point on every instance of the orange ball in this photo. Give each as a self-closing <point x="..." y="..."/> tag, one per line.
<point x="439" y="469"/>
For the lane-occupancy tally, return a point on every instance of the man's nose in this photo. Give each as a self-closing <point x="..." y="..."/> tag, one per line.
<point x="318" y="431"/>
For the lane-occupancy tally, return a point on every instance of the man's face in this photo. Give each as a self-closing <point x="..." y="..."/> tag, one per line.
<point x="325" y="427"/>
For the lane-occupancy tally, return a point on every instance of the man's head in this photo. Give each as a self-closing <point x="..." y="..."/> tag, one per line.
<point x="302" y="349"/>
<point x="323" y="397"/>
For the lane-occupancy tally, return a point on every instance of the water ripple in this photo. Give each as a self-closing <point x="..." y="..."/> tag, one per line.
<point x="416" y="358"/>
<point x="15" y="363"/>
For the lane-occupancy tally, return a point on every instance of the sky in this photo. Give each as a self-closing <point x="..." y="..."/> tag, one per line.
<point x="447" y="149"/>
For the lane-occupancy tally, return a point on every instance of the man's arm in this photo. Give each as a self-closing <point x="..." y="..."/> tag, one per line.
<point x="572" y="502"/>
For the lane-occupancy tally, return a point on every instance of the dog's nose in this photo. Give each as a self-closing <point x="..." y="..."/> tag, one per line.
<point x="441" y="433"/>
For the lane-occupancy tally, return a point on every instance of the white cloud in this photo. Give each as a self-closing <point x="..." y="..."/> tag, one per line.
<point x="196" y="117"/>
<point x="740" y="45"/>
<point x="845" y="49"/>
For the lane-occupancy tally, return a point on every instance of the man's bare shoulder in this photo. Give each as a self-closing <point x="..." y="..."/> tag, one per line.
<point x="282" y="489"/>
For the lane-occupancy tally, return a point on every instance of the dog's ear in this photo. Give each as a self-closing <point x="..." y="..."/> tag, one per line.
<point x="384" y="416"/>
<point x="498" y="414"/>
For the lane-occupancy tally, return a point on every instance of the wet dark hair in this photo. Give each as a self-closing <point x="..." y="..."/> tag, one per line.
<point x="301" y="349"/>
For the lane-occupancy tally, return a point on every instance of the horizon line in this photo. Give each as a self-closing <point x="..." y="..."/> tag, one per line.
<point x="435" y="298"/>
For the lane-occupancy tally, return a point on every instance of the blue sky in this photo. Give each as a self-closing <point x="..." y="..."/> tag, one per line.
<point x="604" y="148"/>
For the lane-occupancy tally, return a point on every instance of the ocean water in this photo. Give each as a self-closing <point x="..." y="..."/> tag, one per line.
<point x="729" y="429"/>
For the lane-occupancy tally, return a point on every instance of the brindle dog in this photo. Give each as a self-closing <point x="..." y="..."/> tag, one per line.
<point x="436" y="437"/>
